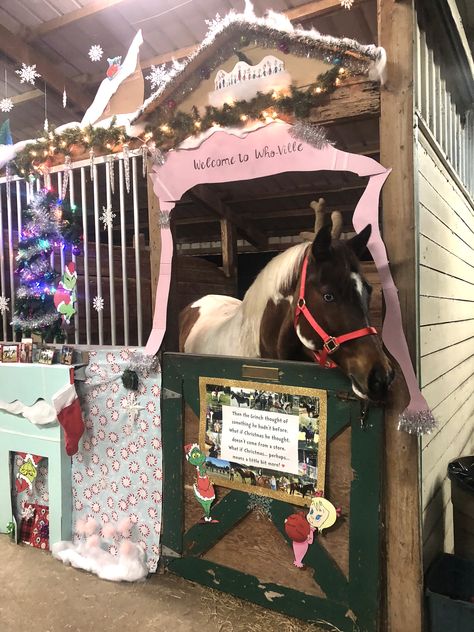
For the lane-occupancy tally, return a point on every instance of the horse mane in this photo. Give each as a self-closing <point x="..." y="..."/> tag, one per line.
<point x="279" y="274"/>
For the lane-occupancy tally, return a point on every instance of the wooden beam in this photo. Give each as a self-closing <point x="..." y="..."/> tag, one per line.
<point x="404" y="575"/>
<point x="154" y="235"/>
<point x="21" y="52"/>
<point x="73" y="16"/>
<point x="26" y="96"/>
<point x="203" y="195"/>
<point x="229" y="248"/>
<point x="353" y="100"/>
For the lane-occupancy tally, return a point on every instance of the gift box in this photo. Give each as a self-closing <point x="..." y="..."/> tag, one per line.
<point x="34" y="527"/>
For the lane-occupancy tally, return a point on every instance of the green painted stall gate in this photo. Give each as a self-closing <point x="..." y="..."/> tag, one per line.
<point x="247" y="553"/>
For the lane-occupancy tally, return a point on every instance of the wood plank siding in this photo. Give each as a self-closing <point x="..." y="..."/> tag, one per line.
<point x="446" y="339"/>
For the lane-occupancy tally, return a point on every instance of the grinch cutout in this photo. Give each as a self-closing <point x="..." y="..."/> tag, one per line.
<point x="203" y="488"/>
<point x="65" y="296"/>
<point x="300" y="528"/>
<point x="27" y="471"/>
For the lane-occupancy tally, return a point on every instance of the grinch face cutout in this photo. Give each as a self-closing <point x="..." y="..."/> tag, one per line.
<point x="27" y="471"/>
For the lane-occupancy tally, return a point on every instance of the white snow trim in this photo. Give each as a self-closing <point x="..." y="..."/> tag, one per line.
<point x="109" y="87"/>
<point x="130" y="566"/>
<point x="40" y="413"/>
<point x="64" y="397"/>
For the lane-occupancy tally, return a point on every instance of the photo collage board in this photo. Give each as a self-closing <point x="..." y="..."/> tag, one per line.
<point x="264" y="439"/>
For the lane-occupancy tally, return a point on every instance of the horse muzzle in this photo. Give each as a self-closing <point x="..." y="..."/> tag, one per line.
<point x="379" y="381"/>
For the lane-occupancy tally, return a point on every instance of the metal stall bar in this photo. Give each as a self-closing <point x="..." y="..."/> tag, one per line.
<point x="73" y="256"/>
<point x="99" y="297"/>
<point x="123" y="252"/>
<point x="136" y="229"/>
<point x="2" y="267"/>
<point x="85" y="256"/>
<point x="10" y="251"/>
<point x="110" y="244"/>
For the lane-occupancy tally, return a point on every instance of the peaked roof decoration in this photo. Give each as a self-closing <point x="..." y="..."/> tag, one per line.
<point x="235" y="30"/>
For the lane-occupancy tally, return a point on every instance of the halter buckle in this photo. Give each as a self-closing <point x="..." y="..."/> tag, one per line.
<point x="301" y="303"/>
<point x="331" y="345"/>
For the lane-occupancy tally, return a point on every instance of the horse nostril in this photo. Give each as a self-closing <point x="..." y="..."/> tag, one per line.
<point x="379" y="381"/>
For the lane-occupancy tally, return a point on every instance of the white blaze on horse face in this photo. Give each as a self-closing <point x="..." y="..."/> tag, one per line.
<point x="359" y="286"/>
<point x="309" y="344"/>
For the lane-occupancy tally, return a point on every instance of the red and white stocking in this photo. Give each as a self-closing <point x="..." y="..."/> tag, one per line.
<point x="68" y="410"/>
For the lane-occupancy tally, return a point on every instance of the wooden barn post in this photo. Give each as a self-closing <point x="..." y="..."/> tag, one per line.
<point x="155" y="235"/>
<point x="404" y="579"/>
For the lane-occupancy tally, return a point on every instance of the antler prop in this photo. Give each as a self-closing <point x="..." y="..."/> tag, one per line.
<point x="336" y="218"/>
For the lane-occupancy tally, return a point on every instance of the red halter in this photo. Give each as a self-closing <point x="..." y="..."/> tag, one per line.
<point x="330" y="343"/>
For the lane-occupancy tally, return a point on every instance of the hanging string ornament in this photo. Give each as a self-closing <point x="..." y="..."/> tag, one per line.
<point x="91" y="162"/>
<point x="111" y="161"/>
<point x="144" y="160"/>
<point x="64" y="98"/>
<point x="126" y="164"/>
<point x="46" y="123"/>
<point x="67" y="172"/>
<point x="6" y="104"/>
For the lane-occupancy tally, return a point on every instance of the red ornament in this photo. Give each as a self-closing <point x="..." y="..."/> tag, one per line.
<point x="297" y="527"/>
<point x="171" y="104"/>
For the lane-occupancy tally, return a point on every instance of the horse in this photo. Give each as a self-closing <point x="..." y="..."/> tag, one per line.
<point x="240" y="399"/>
<point x="244" y="474"/>
<point x="310" y="302"/>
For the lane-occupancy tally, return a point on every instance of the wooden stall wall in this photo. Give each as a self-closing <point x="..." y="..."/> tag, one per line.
<point x="446" y="282"/>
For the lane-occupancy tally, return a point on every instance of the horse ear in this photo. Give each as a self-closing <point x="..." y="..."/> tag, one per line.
<point x="359" y="242"/>
<point x="322" y="243"/>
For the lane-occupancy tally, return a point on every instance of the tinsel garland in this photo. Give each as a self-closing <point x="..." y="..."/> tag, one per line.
<point x="314" y="135"/>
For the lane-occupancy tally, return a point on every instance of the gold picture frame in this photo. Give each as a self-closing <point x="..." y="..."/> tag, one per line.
<point x="271" y="421"/>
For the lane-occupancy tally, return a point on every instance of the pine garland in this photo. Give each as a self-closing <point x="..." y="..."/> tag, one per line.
<point x="168" y="127"/>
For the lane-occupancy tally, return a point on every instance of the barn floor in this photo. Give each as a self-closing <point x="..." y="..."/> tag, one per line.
<point x="38" y="592"/>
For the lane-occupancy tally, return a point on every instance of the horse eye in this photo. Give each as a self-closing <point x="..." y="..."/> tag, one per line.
<point x="328" y="297"/>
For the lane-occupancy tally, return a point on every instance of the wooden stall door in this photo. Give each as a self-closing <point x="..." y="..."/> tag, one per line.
<point x="247" y="553"/>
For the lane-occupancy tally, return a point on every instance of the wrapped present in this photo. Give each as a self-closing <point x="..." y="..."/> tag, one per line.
<point x="34" y="526"/>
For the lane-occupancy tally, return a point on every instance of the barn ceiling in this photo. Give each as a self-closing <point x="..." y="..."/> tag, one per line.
<point x="57" y="36"/>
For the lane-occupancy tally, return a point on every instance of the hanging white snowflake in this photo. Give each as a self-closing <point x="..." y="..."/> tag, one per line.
<point x="6" y="105"/>
<point x="28" y="74"/>
<point x="4" y="304"/>
<point x="347" y="4"/>
<point x="107" y="217"/>
<point x="98" y="303"/>
<point x="158" y="75"/>
<point x="96" y="52"/>
<point x="132" y="407"/>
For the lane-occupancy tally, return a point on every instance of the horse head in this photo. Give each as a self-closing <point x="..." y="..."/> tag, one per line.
<point x="337" y="297"/>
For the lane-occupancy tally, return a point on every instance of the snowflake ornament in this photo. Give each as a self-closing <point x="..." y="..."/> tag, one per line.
<point x="4" y="304"/>
<point x="6" y="105"/>
<point x="347" y="4"/>
<point x="132" y="407"/>
<point x="96" y="52"/>
<point x="28" y="74"/>
<point x="107" y="217"/>
<point x="158" y="75"/>
<point x="98" y="303"/>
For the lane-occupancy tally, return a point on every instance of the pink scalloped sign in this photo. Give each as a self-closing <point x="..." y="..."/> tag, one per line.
<point x="268" y="150"/>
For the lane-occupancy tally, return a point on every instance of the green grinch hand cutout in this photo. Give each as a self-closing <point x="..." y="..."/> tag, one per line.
<point x="65" y="295"/>
<point x="203" y="488"/>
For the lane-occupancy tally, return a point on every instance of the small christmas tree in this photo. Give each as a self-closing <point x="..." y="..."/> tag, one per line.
<point x="47" y="222"/>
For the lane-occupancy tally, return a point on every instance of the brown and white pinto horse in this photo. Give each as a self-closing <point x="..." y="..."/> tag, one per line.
<point x="286" y="317"/>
